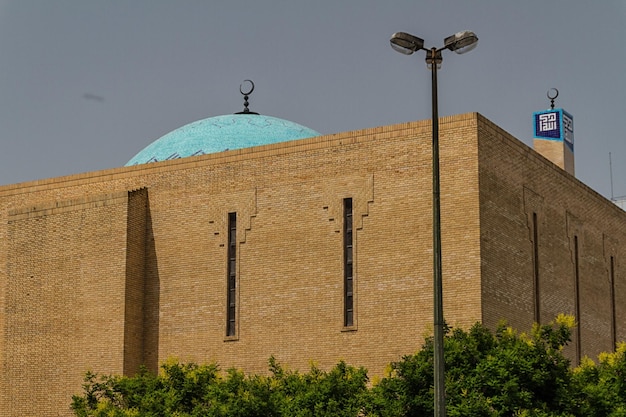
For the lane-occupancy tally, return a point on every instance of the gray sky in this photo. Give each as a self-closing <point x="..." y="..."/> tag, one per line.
<point x="86" y="84"/>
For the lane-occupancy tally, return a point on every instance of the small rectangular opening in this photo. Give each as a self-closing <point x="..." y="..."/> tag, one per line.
<point x="348" y="264"/>
<point x="231" y="301"/>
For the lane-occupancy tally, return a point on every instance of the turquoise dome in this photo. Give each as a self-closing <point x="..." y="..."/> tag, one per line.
<point x="221" y="133"/>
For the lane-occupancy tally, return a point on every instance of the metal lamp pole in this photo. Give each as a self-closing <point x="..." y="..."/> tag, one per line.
<point x="439" y="380"/>
<point x="407" y="44"/>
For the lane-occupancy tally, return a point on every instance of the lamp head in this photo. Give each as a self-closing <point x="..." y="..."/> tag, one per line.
<point x="461" y="42"/>
<point x="406" y="43"/>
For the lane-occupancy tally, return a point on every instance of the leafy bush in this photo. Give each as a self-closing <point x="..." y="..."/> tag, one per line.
<point x="201" y="390"/>
<point x="503" y="373"/>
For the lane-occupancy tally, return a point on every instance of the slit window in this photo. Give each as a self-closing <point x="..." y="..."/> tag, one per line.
<point x="577" y="300"/>
<point x="613" y="316"/>
<point x="231" y="302"/>
<point x="348" y="264"/>
<point x="536" y="270"/>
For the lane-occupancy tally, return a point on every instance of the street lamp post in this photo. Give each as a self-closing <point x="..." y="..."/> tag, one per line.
<point x="460" y="42"/>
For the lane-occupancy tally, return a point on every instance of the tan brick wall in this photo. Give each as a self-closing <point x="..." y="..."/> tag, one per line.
<point x="557" y="152"/>
<point x="65" y="300"/>
<point x="162" y="250"/>
<point x="514" y="183"/>
<point x="290" y="269"/>
<point x="135" y="268"/>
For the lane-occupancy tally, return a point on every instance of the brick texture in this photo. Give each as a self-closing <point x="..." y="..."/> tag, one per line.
<point x="113" y="269"/>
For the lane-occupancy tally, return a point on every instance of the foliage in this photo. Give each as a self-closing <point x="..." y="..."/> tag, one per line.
<point x="184" y="390"/>
<point x="601" y="389"/>
<point x="501" y="374"/>
<point x="491" y="374"/>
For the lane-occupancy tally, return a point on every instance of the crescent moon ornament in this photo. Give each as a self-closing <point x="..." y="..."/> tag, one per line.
<point x="551" y="95"/>
<point x="246" y="95"/>
<point x="251" y="88"/>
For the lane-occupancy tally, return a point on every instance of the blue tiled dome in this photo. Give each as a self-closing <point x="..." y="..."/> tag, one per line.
<point x="221" y="133"/>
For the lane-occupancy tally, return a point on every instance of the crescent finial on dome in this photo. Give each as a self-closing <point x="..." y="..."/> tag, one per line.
<point x="246" y="95"/>
<point x="220" y="133"/>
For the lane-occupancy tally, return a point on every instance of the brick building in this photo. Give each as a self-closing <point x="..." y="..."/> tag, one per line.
<point x="311" y="249"/>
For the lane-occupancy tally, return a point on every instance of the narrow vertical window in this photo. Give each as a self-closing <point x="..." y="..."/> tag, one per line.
<point x="348" y="264"/>
<point x="232" y="275"/>
<point x="577" y="300"/>
<point x="537" y="298"/>
<point x="613" y="316"/>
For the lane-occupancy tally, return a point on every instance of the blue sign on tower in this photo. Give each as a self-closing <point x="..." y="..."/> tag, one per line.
<point x="555" y="124"/>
